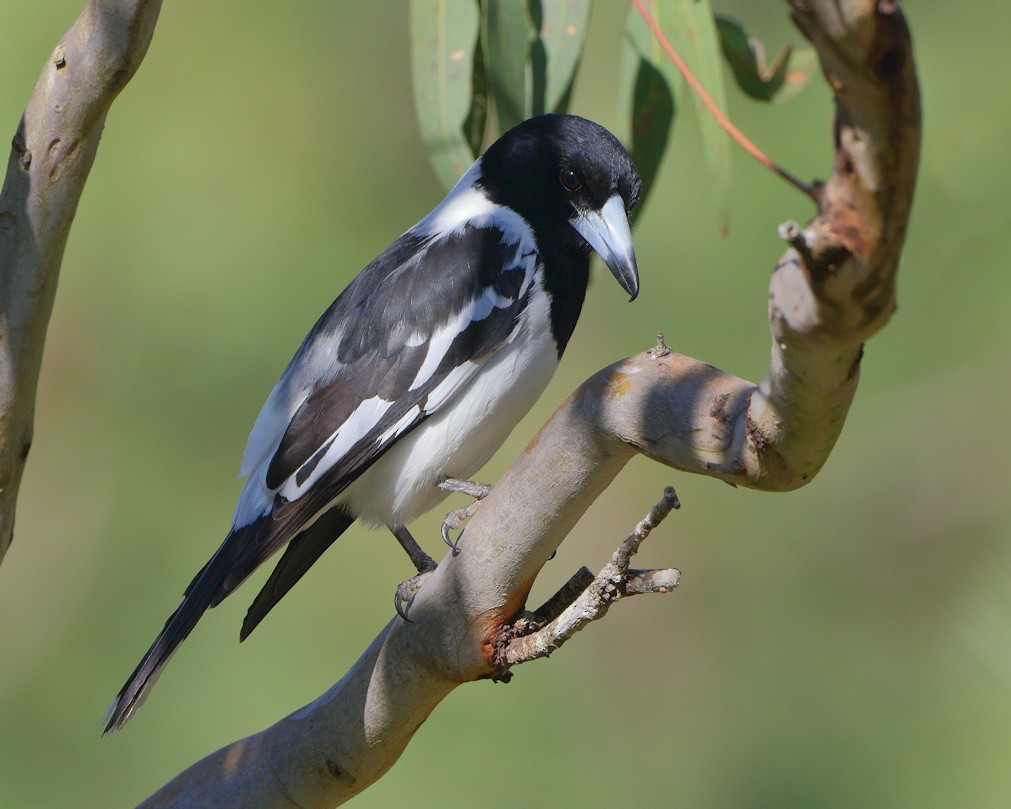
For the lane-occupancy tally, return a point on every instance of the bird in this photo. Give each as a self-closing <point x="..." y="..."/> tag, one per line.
<point x="421" y="367"/>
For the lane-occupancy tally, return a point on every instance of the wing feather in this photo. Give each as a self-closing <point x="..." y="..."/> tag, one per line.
<point x="406" y="335"/>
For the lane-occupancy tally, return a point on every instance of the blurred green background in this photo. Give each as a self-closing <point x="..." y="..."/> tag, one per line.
<point x="845" y="645"/>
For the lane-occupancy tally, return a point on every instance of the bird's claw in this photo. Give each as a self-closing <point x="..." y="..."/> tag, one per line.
<point x="456" y="518"/>
<point x="446" y="528"/>
<point x="406" y="590"/>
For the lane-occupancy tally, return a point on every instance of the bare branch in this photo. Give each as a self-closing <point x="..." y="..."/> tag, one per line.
<point x="523" y="641"/>
<point x="831" y="290"/>
<point x="52" y="153"/>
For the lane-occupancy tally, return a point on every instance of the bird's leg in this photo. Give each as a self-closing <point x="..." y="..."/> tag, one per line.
<point x="424" y="564"/>
<point x="455" y="519"/>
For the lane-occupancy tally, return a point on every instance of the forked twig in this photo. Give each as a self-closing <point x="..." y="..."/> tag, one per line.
<point x="585" y="598"/>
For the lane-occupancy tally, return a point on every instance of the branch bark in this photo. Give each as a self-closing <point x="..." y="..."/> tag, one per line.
<point x="52" y="153"/>
<point x="831" y="290"/>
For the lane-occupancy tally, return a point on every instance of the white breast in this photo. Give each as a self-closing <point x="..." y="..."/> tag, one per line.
<point x="464" y="434"/>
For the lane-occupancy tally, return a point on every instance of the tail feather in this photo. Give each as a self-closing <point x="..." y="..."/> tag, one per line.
<point x="206" y="589"/>
<point x="298" y="557"/>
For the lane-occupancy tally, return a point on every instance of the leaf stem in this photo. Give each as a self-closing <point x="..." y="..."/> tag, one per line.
<point x="743" y="141"/>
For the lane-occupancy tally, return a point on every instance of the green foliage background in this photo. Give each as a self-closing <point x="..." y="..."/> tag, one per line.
<point x="845" y="645"/>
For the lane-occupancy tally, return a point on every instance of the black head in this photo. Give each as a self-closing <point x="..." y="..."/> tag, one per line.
<point x="572" y="179"/>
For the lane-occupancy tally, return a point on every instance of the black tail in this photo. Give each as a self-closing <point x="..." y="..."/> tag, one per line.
<point x="298" y="557"/>
<point x="207" y="589"/>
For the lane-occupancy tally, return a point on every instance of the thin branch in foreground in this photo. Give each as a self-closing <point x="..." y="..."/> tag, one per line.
<point x="742" y="140"/>
<point x="578" y="603"/>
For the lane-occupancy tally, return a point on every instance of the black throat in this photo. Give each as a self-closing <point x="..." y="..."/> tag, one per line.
<point x="566" y="273"/>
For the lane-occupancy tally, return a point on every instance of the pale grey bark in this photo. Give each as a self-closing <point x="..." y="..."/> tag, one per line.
<point x="51" y="155"/>
<point x="832" y="290"/>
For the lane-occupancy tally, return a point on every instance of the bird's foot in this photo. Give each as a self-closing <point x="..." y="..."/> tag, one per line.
<point x="456" y="518"/>
<point x="406" y="590"/>
<point x="422" y="562"/>
<point x="471" y="488"/>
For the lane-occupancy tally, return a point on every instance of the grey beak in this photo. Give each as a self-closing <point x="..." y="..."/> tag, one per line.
<point x="608" y="233"/>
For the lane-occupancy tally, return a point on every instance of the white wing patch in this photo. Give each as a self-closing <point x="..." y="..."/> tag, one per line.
<point x="478" y="310"/>
<point x="454" y="381"/>
<point x="405" y="421"/>
<point x="359" y="423"/>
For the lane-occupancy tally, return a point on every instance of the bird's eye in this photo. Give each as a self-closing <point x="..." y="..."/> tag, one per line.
<point x="569" y="180"/>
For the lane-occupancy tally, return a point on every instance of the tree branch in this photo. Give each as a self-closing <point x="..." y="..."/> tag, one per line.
<point x="52" y="153"/>
<point x="571" y="609"/>
<point x="832" y="289"/>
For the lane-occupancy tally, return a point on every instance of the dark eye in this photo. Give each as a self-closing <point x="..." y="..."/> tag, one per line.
<point x="569" y="180"/>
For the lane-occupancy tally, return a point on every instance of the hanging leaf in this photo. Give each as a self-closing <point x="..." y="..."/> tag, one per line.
<point x="508" y="32"/>
<point x="444" y="35"/>
<point x="784" y="77"/>
<point x="647" y="99"/>
<point x="801" y="66"/>
<point x="562" y="30"/>
<point x="477" y="119"/>
<point x="691" y="29"/>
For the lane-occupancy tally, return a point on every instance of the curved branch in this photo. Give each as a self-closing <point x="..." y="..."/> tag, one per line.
<point x="831" y="290"/>
<point x="51" y="155"/>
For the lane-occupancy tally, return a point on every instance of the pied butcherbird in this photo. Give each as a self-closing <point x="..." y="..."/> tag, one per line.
<point x="422" y="366"/>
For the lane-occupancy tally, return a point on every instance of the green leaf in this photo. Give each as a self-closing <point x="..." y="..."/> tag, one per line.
<point x="688" y="25"/>
<point x="477" y="119"/>
<point x="691" y="29"/>
<point x="647" y="99"/>
<point x="507" y="35"/>
<point x="444" y="35"/>
<point x="783" y="78"/>
<point x="801" y="66"/>
<point x="562" y="30"/>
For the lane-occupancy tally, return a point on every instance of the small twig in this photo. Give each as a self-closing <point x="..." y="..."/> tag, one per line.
<point x="630" y="547"/>
<point x="660" y="349"/>
<point x="742" y="140"/>
<point x="651" y="581"/>
<point x="566" y="594"/>
<point x="579" y="603"/>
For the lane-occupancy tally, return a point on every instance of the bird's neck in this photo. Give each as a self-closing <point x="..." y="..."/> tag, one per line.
<point x="566" y="273"/>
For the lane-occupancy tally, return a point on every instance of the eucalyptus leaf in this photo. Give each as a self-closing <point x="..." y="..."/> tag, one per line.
<point x="562" y="27"/>
<point x="745" y="54"/>
<point x="444" y="34"/>
<point x="508" y="32"/>
<point x="477" y="119"/>
<point x="649" y="89"/>
<point x="691" y="29"/>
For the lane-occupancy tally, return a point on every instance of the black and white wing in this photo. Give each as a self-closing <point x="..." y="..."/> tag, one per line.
<point x="403" y="339"/>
